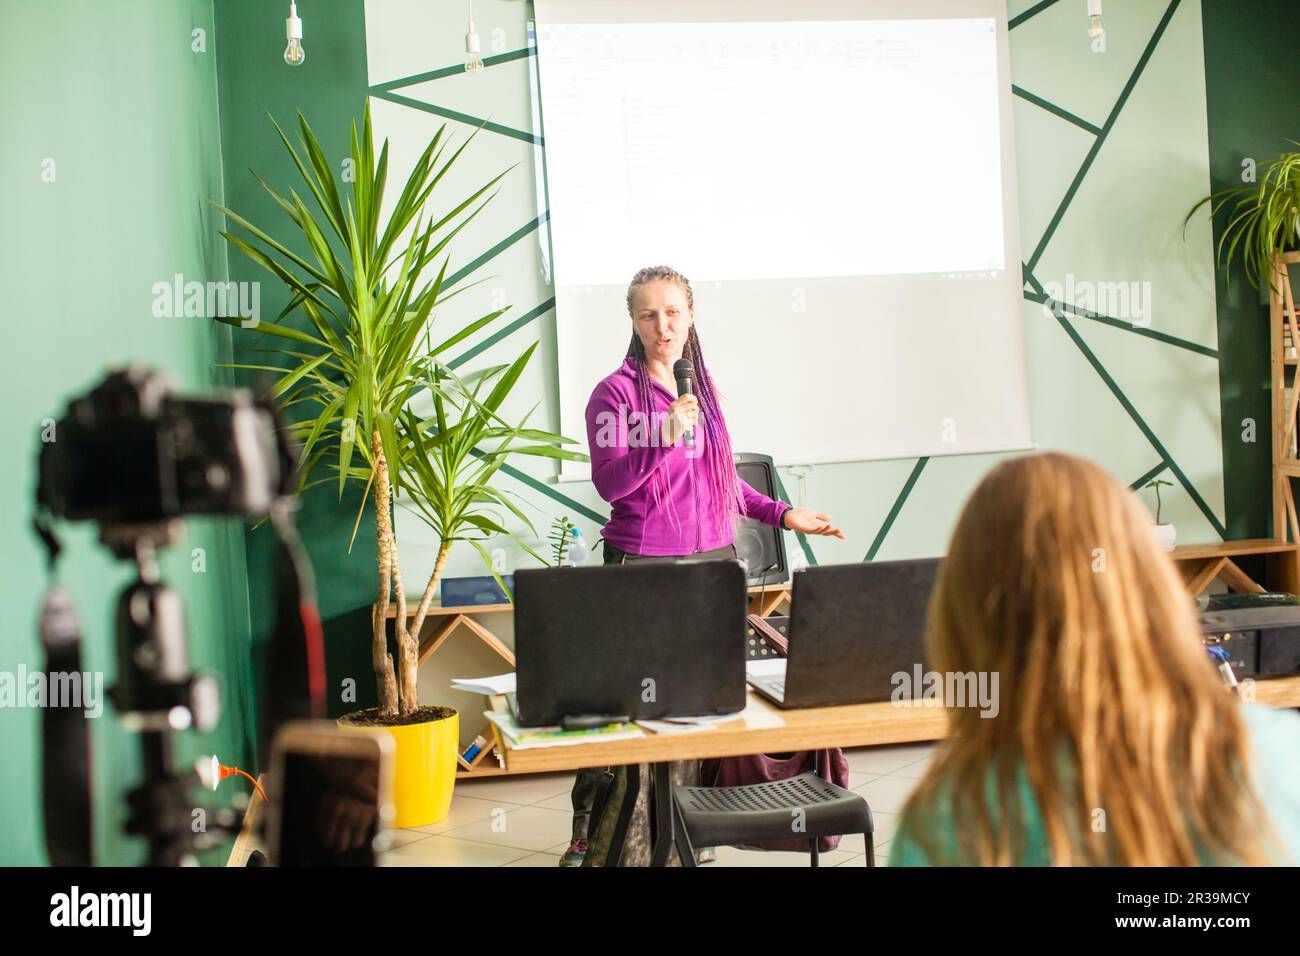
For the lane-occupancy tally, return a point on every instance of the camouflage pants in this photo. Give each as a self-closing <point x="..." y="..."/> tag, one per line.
<point x="637" y="847"/>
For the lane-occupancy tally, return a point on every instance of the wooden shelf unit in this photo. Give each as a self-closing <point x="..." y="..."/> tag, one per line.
<point x="1201" y="564"/>
<point x="1283" y="322"/>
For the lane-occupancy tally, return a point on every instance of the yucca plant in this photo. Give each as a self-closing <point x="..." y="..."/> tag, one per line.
<point x="447" y="469"/>
<point x="366" y="349"/>
<point x="1264" y="219"/>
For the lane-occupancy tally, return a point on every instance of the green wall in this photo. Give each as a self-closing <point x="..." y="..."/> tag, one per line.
<point x="115" y="95"/>
<point x="1252" y="79"/>
<point x="329" y="89"/>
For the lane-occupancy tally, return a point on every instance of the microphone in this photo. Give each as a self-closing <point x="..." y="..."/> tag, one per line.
<point x="684" y="372"/>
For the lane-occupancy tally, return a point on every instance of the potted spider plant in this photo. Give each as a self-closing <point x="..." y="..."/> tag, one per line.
<point x="1165" y="533"/>
<point x="1263" y="221"/>
<point x="350" y="370"/>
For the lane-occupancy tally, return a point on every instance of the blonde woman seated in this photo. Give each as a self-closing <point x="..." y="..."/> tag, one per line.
<point x="1115" y="741"/>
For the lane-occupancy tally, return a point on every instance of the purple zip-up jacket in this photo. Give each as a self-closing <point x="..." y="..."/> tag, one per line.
<point x="625" y="451"/>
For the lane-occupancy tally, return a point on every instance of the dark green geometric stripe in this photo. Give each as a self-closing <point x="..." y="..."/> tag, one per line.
<point x="799" y="535"/>
<point x="496" y="250"/>
<point x="1032" y="11"/>
<point x="1055" y="110"/>
<point x="507" y="469"/>
<point x="459" y="117"/>
<point x="544" y="489"/>
<point x="1043" y="299"/>
<point x="550" y="492"/>
<point x="1141" y="482"/>
<point x="475" y="264"/>
<point x="501" y="333"/>
<point x="898" y="506"/>
<point x="445" y="71"/>
<point x="1105" y="131"/>
<point x="1128" y="407"/>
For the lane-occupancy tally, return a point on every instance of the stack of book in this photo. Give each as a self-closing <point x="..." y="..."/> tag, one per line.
<point x="524" y="738"/>
<point x="500" y="692"/>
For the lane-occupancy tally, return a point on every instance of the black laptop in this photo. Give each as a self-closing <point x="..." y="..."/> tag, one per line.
<point x="852" y="628"/>
<point x="629" y="641"/>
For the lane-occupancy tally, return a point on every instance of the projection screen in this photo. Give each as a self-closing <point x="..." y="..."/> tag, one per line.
<point x="837" y="180"/>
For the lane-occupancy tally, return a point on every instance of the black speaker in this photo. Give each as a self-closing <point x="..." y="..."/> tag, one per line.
<point x="760" y="546"/>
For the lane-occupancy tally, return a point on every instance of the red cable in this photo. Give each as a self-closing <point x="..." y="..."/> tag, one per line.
<point x="308" y="613"/>
<point x="231" y="771"/>
<point x="315" y="635"/>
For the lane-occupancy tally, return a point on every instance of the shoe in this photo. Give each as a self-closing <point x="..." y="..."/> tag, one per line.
<point x="575" y="854"/>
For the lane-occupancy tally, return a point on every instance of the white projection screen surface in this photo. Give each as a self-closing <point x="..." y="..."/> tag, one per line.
<point x="836" y="179"/>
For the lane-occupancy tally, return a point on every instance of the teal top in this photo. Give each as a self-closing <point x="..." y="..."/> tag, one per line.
<point x="1275" y="745"/>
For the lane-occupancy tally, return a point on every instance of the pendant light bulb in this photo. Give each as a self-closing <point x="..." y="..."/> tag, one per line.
<point x="473" y="54"/>
<point x="294" y="54"/>
<point x="1094" y="19"/>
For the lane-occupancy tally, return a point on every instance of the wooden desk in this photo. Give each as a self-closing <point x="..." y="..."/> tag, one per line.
<point x="764" y="728"/>
<point x="761" y="728"/>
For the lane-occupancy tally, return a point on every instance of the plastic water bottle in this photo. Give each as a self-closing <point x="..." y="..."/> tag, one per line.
<point x="578" y="550"/>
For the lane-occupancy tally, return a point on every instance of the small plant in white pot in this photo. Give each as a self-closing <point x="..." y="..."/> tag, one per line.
<point x="1165" y="533"/>
<point x="561" y="533"/>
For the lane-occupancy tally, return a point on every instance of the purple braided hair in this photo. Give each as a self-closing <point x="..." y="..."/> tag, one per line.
<point x="725" y="497"/>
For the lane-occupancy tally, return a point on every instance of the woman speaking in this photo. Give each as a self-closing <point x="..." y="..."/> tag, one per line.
<point x="670" y="498"/>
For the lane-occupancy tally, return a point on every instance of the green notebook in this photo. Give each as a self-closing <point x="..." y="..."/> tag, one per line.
<point x="522" y="738"/>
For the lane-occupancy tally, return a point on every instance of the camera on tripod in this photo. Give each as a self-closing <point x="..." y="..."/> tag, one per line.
<point x="131" y="453"/>
<point x="135" y="458"/>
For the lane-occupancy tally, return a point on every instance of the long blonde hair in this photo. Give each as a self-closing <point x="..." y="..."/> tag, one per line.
<point x="1108" y="703"/>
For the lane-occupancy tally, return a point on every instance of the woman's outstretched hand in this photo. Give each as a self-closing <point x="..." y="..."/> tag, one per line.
<point x="809" y="521"/>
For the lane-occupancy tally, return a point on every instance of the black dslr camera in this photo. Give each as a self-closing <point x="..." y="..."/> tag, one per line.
<point x="130" y="453"/>
<point x="135" y="459"/>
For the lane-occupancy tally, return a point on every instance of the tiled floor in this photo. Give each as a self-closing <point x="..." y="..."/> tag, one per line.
<point x="525" y="820"/>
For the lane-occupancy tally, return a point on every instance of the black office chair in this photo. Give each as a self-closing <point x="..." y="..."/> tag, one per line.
<point x="761" y="812"/>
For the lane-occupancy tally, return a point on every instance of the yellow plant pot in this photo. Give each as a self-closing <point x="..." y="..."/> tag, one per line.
<point x="424" y="768"/>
